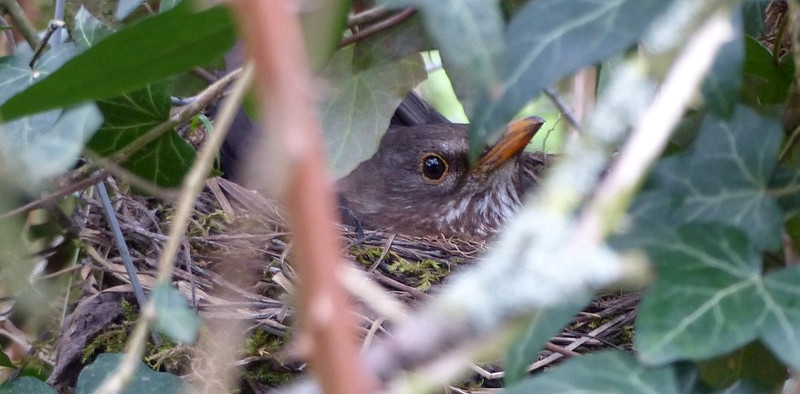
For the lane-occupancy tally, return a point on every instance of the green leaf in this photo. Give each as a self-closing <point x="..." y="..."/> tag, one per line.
<point x="721" y="88"/>
<point x="48" y="144"/>
<point x="15" y="75"/>
<point x="323" y="24"/>
<point x="149" y="51"/>
<point x="469" y="34"/>
<point x="765" y="83"/>
<point x="753" y="362"/>
<point x="88" y="30"/>
<point x="391" y="45"/>
<point x="543" y="325"/>
<point x="550" y="39"/>
<point x="175" y="318"/>
<point x="26" y="385"/>
<point x="5" y="361"/>
<point x="724" y="176"/>
<point x="144" y="381"/>
<point x="609" y="372"/>
<point x="164" y="161"/>
<point x="356" y="113"/>
<point x="710" y="297"/>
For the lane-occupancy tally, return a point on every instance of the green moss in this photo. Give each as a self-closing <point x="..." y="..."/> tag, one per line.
<point x="428" y="272"/>
<point x="267" y="374"/>
<point x="111" y="340"/>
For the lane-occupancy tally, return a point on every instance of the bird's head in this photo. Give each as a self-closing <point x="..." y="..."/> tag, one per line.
<point x="420" y="181"/>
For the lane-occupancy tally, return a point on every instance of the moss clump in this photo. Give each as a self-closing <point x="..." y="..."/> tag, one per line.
<point x="427" y="272"/>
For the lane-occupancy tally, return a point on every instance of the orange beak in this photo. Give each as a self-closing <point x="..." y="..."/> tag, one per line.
<point x="512" y="143"/>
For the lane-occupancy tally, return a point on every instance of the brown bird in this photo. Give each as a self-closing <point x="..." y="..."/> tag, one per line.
<point x="419" y="182"/>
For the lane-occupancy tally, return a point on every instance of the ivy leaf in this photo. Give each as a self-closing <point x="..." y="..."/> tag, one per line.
<point x="469" y="35"/>
<point x="765" y="83"/>
<point x="609" y="372"/>
<point x="47" y="144"/>
<point x="144" y="380"/>
<point x="543" y="325"/>
<point x="150" y="51"/>
<point x="753" y="362"/>
<point x="550" y="39"/>
<point x="126" y="7"/>
<point x="166" y="160"/>
<point x="323" y="25"/>
<point x="711" y="298"/>
<point x="88" y="30"/>
<point x="5" y="362"/>
<point x="391" y="45"/>
<point x="175" y="318"/>
<point x="723" y="177"/>
<point x="26" y="384"/>
<point x="721" y="88"/>
<point x="356" y="113"/>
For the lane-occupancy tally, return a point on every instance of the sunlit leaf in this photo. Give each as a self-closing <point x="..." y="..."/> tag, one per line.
<point x="550" y="39"/>
<point x="149" y="51"/>
<point x="144" y="380"/>
<point x="357" y="109"/>
<point x="175" y="318"/>
<point x="605" y="372"/>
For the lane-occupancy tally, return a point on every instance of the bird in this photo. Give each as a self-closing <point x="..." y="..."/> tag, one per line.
<point x="420" y="182"/>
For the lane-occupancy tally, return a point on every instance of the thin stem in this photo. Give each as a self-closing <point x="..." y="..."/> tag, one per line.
<point x="385" y="24"/>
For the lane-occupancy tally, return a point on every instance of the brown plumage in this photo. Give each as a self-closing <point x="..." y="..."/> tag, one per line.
<point x="419" y="182"/>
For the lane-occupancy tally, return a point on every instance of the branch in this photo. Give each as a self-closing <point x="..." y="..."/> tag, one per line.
<point x="298" y="175"/>
<point x="385" y="24"/>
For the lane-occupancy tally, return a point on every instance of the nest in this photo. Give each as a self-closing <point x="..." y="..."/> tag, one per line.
<point x="235" y="266"/>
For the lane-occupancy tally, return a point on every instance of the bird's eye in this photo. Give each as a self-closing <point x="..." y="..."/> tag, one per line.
<point x="433" y="167"/>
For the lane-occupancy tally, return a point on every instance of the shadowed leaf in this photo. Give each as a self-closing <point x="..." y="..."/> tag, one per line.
<point x="724" y="176"/>
<point x="544" y="324"/>
<point x="175" y="318"/>
<point x="356" y="112"/>
<point x="469" y="35"/>
<point x="127" y="117"/>
<point x="144" y="380"/>
<point x="550" y="39"/>
<point x="27" y="385"/>
<point x="606" y="372"/>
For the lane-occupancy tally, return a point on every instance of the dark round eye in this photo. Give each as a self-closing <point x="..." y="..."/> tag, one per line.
<point x="433" y="167"/>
